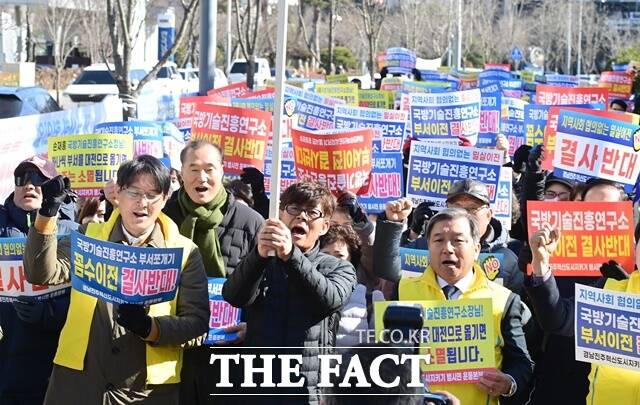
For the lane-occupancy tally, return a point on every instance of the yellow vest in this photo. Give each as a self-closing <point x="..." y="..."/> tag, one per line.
<point x="612" y="385"/>
<point x="163" y="362"/>
<point x="426" y="287"/>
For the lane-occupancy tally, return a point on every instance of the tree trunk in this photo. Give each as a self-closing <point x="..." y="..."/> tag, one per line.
<point x="372" y="56"/>
<point x="316" y="34"/>
<point x="29" y="38"/>
<point x="332" y="11"/>
<point x="251" y="71"/>
<point x="58" y="69"/>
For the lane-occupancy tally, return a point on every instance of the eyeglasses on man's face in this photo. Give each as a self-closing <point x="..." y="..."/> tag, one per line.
<point x="470" y="209"/>
<point x="551" y="195"/>
<point x="295" y="210"/>
<point x="137" y="195"/>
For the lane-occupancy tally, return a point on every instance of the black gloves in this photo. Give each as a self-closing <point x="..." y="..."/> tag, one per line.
<point x="613" y="270"/>
<point x="254" y="178"/>
<point x="356" y="212"/>
<point x="134" y="318"/>
<point x="54" y="192"/>
<point x="421" y="214"/>
<point x="534" y="162"/>
<point x="29" y="310"/>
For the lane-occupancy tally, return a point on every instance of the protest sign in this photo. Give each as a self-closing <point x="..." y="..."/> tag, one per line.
<point x="563" y="81"/>
<point x="341" y="78"/>
<point x="241" y="134"/>
<point x="414" y="262"/>
<point x="458" y="334"/>
<point x="490" y="111"/>
<point x="552" y="125"/>
<point x="221" y="314"/>
<point x="497" y="66"/>
<point x="348" y="92"/>
<point x="268" y="92"/>
<point x="147" y="136"/>
<point x="512" y="122"/>
<point x="389" y="125"/>
<point x="122" y="274"/>
<point x="29" y="133"/>
<point x="607" y="330"/>
<point x="591" y="146"/>
<point x="386" y="182"/>
<point x="287" y="167"/>
<point x="339" y="160"/>
<point x="535" y="119"/>
<point x="375" y="99"/>
<point x="502" y="206"/>
<point x="590" y="234"/>
<point x="312" y="110"/>
<point x="230" y="91"/>
<point x="433" y="169"/>
<point x="13" y="282"/>
<point x="400" y="60"/>
<point x="430" y="86"/>
<point x="90" y="161"/>
<point x="172" y="143"/>
<point x="446" y="114"/>
<point x="556" y="95"/>
<point x="393" y="84"/>
<point x="255" y="103"/>
<point x="619" y="84"/>
<point x="188" y="104"/>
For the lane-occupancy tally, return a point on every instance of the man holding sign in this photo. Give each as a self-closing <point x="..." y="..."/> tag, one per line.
<point x="31" y="324"/>
<point x="120" y="354"/>
<point x="453" y="239"/>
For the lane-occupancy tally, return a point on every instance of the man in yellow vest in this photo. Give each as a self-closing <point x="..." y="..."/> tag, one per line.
<point x="607" y="385"/>
<point x="128" y="353"/>
<point x="453" y="239"/>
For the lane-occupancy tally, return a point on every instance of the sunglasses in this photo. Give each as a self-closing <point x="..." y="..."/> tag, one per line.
<point x="31" y="176"/>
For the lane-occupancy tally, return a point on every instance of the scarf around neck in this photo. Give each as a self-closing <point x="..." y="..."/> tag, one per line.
<point x="200" y="224"/>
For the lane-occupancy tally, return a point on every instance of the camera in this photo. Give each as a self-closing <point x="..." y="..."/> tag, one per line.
<point x="435" y="399"/>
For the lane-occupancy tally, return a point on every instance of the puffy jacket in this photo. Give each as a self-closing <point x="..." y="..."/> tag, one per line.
<point x="27" y="349"/>
<point x="292" y="304"/>
<point x="236" y="233"/>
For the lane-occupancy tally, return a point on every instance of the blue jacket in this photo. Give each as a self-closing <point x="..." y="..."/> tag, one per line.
<point x="27" y="349"/>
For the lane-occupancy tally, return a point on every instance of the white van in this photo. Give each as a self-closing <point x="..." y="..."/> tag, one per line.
<point x="238" y="71"/>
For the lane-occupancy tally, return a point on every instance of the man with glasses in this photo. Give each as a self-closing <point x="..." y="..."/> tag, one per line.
<point x="291" y="292"/>
<point x="31" y="327"/>
<point x="120" y="354"/>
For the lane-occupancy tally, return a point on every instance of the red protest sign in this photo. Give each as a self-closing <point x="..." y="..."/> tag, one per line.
<point x="552" y="126"/>
<point x="591" y="233"/>
<point x="264" y="93"/>
<point x="188" y="104"/>
<point x="557" y="95"/>
<point x="618" y="83"/>
<point x="242" y="134"/>
<point x="230" y="91"/>
<point x="339" y="160"/>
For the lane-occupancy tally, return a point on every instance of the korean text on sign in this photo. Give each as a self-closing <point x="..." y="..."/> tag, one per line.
<point x="147" y="135"/>
<point x="591" y="233"/>
<point x="458" y="334"/>
<point x="607" y="327"/>
<point x="433" y="169"/>
<point x="386" y="182"/>
<point x="389" y="125"/>
<point x="241" y="134"/>
<point x="221" y="314"/>
<point x="340" y="160"/>
<point x="312" y="110"/>
<point x="557" y="95"/>
<point x="90" y="161"/>
<point x="591" y="146"/>
<point x="13" y="282"/>
<point x="446" y="114"/>
<point x="123" y="274"/>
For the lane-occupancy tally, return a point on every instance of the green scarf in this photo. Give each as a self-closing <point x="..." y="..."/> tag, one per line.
<point x="200" y="224"/>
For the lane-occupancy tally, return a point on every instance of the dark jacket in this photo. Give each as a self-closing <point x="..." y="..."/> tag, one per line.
<point x="292" y="304"/>
<point x="509" y="274"/>
<point x="560" y="378"/>
<point x="27" y="349"/>
<point x="236" y="233"/>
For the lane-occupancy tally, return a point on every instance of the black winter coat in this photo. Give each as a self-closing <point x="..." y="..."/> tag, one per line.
<point x="27" y="349"/>
<point x="292" y="304"/>
<point x="237" y="232"/>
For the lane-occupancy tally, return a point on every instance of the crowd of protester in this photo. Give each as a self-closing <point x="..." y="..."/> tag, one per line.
<point x="306" y="279"/>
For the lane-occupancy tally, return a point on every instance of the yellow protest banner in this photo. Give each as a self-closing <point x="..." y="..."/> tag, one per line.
<point x="89" y="161"/>
<point x="457" y="334"/>
<point x="375" y="99"/>
<point x="341" y="78"/>
<point x="347" y="92"/>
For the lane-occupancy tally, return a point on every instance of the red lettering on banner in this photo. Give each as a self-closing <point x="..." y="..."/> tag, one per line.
<point x="147" y="282"/>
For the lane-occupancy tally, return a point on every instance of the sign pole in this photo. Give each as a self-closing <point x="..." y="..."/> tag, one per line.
<point x="281" y="60"/>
